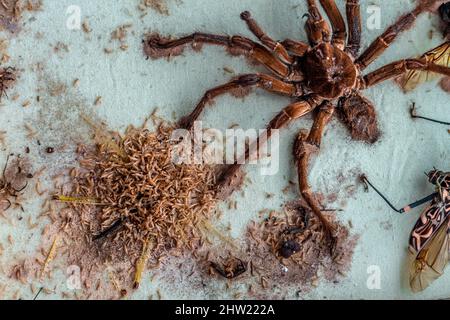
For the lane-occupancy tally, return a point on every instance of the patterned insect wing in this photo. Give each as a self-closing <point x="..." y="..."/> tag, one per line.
<point x="430" y="245"/>
<point x="413" y="78"/>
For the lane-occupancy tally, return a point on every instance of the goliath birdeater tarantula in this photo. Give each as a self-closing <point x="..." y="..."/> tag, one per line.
<point x="324" y="76"/>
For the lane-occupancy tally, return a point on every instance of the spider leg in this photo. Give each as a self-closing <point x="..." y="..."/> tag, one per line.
<point x="304" y="147"/>
<point x="276" y="47"/>
<point x="296" y="48"/>
<point x="243" y="82"/>
<point x="316" y="27"/>
<point x="383" y="42"/>
<point x="337" y="23"/>
<point x="354" y="27"/>
<point x="397" y="68"/>
<point x="157" y="47"/>
<point x="227" y="181"/>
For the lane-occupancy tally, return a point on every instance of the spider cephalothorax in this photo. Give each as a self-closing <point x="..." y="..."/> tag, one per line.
<point x="329" y="71"/>
<point x="323" y="76"/>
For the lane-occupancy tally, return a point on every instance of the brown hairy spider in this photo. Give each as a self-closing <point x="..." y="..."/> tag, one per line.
<point x="324" y="76"/>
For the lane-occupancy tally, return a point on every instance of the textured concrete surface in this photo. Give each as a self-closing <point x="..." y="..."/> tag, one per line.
<point x="132" y="87"/>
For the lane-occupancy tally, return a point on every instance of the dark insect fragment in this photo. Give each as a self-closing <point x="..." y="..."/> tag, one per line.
<point x="444" y="11"/>
<point x="289" y="248"/>
<point x="232" y="268"/>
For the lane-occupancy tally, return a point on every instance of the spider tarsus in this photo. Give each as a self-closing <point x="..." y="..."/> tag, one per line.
<point x="157" y="46"/>
<point x="246" y="15"/>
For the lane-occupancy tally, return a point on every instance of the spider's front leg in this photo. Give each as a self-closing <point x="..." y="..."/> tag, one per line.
<point x="398" y="68"/>
<point x="243" y="82"/>
<point x="354" y="27"/>
<point x="337" y="23"/>
<point x="383" y="42"/>
<point x="304" y="147"/>
<point x="156" y="46"/>
<point x="316" y="27"/>
<point x="276" y="47"/>
<point x="227" y="182"/>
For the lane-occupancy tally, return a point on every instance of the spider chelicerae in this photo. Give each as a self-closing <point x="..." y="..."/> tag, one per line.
<point x="325" y="76"/>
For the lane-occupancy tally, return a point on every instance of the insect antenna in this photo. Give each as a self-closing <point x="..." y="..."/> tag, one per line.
<point x="39" y="292"/>
<point x="404" y="209"/>
<point x="367" y="183"/>
<point x="414" y="115"/>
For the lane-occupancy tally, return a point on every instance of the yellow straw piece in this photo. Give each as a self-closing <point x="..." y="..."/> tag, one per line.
<point x="51" y="255"/>
<point x="141" y="263"/>
<point x="80" y="200"/>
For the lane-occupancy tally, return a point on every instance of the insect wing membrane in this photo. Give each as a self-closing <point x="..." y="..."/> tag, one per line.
<point x="429" y="264"/>
<point x="413" y="78"/>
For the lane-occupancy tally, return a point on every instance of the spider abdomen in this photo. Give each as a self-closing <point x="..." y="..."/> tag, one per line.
<point x="329" y="71"/>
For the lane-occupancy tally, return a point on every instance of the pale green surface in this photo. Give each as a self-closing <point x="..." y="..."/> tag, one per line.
<point x="131" y="87"/>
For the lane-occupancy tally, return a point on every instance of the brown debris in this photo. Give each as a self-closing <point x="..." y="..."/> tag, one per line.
<point x="159" y="6"/>
<point x="120" y="34"/>
<point x="143" y="195"/>
<point x="230" y="268"/>
<point x="13" y="181"/>
<point x="11" y="12"/>
<point x="288" y="248"/>
<point x="86" y="27"/>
